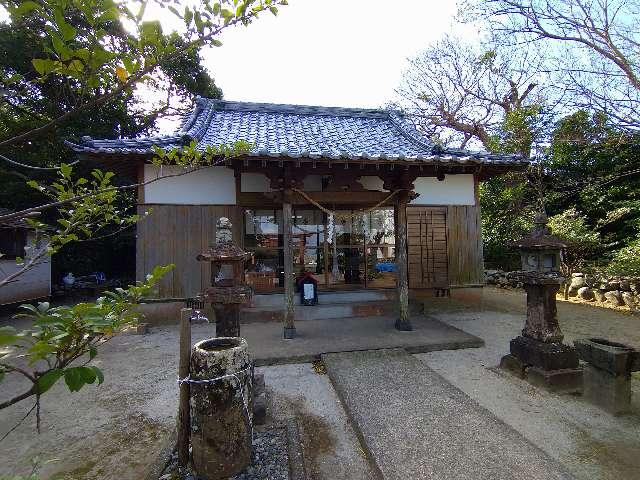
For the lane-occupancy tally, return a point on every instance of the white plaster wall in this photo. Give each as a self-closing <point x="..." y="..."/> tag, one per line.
<point x="207" y="186"/>
<point x="32" y="284"/>
<point x="371" y="183"/>
<point x="313" y="183"/>
<point x="254" y="182"/>
<point x="453" y="190"/>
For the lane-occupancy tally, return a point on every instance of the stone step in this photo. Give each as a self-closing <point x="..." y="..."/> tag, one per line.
<point x="326" y="297"/>
<point x="317" y="312"/>
<point x="413" y="424"/>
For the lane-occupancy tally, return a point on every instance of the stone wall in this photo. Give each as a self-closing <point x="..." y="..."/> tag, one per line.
<point x="615" y="291"/>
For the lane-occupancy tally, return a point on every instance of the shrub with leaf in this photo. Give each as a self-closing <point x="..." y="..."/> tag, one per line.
<point x="626" y="261"/>
<point x="64" y="340"/>
<point x="581" y="241"/>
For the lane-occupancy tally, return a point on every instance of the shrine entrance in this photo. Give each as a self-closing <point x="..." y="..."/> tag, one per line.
<point x="352" y="250"/>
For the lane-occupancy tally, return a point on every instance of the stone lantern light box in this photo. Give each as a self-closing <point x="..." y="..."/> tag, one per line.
<point x="228" y="290"/>
<point x="540" y="251"/>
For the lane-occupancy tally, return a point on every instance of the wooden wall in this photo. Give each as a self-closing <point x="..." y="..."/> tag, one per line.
<point x="427" y="247"/>
<point x="445" y="246"/>
<point x="464" y="245"/>
<point x="176" y="234"/>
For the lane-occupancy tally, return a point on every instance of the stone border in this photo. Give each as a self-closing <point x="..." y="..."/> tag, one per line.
<point x="162" y="459"/>
<point x="297" y="470"/>
<point x="295" y="455"/>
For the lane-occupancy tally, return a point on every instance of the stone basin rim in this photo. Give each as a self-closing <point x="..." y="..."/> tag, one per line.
<point x="218" y="344"/>
<point x="608" y="343"/>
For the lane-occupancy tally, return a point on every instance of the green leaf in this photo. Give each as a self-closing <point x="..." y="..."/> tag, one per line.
<point x="99" y="375"/>
<point x="216" y="43"/>
<point x="46" y="381"/>
<point x="24" y="8"/>
<point x="44" y="66"/>
<point x="65" y="170"/>
<point x="8" y="335"/>
<point x="78" y="377"/>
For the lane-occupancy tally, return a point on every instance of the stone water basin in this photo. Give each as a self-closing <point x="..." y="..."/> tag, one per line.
<point x="613" y="357"/>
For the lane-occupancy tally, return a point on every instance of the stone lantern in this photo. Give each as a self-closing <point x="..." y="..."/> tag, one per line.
<point x="539" y="354"/>
<point x="540" y="251"/>
<point x="228" y="290"/>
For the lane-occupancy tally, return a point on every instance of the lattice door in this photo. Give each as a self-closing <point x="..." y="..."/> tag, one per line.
<point x="427" y="244"/>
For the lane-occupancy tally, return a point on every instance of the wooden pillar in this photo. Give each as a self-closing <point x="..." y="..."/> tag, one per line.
<point x="184" y="418"/>
<point x="402" y="276"/>
<point x="289" y="324"/>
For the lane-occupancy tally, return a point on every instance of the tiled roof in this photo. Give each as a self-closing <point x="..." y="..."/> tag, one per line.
<point x="297" y="131"/>
<point x="15" y="222"/>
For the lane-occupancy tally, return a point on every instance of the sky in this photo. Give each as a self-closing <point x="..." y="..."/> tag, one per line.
<point x="348" y="53"/>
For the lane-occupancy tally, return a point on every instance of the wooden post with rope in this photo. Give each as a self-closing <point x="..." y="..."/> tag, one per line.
<point x="403" y="322"/>
<point x="184" y="417"/>
<point x="289" y="322"/>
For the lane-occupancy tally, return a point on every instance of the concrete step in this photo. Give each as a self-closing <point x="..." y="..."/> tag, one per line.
<point x="321" y="311"/>
<point x="327" y="297"/>
<point x="413" y="424"/>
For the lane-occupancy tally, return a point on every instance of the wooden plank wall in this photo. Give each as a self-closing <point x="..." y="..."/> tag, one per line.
<point x="427" y="247"/>
<point x="445" y="246"/>
<point x="176" y="234"/>
<point x="464" y="245"/>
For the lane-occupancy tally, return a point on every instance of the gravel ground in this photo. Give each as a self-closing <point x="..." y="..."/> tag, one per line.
<point x="270" y="459"/>
<point x="592" y="444"/>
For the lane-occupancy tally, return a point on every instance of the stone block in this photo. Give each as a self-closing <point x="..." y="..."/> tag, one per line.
<point x="566" y="380"/>
<point x="260" y="409"/>
<point x="141" y="329"/>
<point x="610" y="392"/>
<point x="585" y="293"/>
<point x="513" y="364"/>
<point x="614" y="298"/>
<point x="547" y="356"/>
<point x="629" y="299"/>
<point x="612" y="357"/>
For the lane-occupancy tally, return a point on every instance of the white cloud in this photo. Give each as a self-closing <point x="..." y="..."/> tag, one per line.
<point x="327" y="52"/>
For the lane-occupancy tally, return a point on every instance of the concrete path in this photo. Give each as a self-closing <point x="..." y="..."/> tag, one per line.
<point x="415" y="425"/>
<point x="315" y="337"/>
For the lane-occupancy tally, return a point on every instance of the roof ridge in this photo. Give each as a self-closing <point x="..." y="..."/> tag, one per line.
<point x="293" y="109"/>
<point x="411" y="133"/>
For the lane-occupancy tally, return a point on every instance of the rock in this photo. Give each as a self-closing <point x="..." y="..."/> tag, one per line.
<point x="629" y="299"/>
<point x="599" y="296"/>
<point x="625" y="286"/>
<point x="585" y="293"/>
<point x="613" y="285"/>
<point x="614" y="298"/>
<point x="576" y="284"/>
<point x="577" y="275"/>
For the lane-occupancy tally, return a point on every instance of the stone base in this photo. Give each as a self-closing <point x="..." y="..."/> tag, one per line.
<point x="568" y="380"/>
<point x="259" y="400"/>
<point x="403" y="325"/>
<point x="289" y="333"/>
<point x="546" y="356"/>
<point x="513" y="364"/>
<point x="610" y="392"/>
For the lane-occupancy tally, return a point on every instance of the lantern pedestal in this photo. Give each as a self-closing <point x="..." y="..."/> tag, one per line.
<point x="538" y="355"/>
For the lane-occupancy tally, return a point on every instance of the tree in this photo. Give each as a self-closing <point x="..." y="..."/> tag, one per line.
<point x="581" y="241"/>
<point x="593" y="47"/>
<point x="595" y="166"/>
<point x="84" y="48"/>
<point x="461" y="92"/>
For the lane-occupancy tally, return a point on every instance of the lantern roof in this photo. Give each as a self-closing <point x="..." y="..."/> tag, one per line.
<point x="540" y="237"/>
<point x="225" y="252"/>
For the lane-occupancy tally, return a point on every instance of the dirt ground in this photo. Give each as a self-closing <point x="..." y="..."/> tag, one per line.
<point x="589" y="442"/>
<point x="112" y="431"/>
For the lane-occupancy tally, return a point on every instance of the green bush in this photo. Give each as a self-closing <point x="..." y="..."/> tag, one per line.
<point x="626" y="261"/>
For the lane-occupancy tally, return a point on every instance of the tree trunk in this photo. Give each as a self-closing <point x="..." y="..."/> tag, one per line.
<point x="289" y="324"/>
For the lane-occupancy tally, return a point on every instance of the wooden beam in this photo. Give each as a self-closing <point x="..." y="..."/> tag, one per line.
<point x="289" y="323"/>
<point x="402" y="278"/>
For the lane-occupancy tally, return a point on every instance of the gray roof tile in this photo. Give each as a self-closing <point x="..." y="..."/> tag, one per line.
<point x="297" y="131"/>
